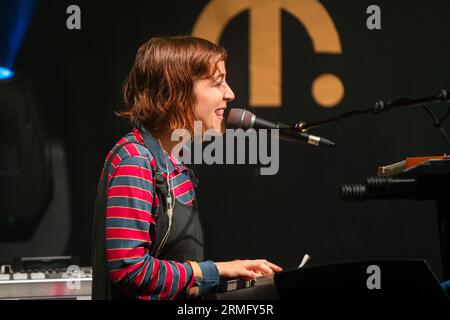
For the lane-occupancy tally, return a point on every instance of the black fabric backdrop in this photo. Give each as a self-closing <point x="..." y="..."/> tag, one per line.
<point x="77" y="78"/>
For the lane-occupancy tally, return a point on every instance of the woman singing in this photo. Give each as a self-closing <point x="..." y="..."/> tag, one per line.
<point x="148" y="240"/>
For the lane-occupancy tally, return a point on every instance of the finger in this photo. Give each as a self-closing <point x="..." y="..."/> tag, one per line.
<point x="261" y="267"/>
<point x="271" y="265"/>
<point x="256" y="268"/>
<point x="274" y="267"/>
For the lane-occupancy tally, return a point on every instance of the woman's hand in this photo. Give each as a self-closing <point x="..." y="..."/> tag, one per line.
<point x="246" y="269"/>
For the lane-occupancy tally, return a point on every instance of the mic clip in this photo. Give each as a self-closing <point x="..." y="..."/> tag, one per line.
<point x="300" y="126"/>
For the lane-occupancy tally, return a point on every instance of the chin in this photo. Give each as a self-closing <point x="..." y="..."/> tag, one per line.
<point x="217" y="131"/>
<point x="218" y="128"/>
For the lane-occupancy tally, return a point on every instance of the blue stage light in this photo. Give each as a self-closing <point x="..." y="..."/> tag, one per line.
<point x="5" y="73"/>
<point x="15" y="17"/>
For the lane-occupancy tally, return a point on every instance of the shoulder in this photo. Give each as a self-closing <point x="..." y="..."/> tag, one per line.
<point x="130" y="150"/>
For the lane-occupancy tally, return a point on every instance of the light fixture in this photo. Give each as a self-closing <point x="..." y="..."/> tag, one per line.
<point x="5" y="73"/>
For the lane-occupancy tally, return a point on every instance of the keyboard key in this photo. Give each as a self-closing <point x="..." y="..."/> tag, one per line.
<point x="4" y="277"/>
<point x="20" y="276"/>
<point x="37" y="275"/>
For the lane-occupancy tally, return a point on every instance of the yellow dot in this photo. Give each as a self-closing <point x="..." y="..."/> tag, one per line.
<point x="327" y="90"/>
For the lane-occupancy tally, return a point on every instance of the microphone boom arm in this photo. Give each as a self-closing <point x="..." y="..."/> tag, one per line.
<point x="379" y="107"/>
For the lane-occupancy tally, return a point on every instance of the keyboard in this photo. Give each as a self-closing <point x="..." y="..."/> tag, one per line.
<point x="73" y="283"/>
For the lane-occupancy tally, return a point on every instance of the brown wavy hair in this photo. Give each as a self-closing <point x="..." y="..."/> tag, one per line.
<point x="159" y="91"/>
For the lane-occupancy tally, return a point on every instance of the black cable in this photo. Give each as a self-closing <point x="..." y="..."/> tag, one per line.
<point x="438" y="123"/>
<point x="338" y="127"/>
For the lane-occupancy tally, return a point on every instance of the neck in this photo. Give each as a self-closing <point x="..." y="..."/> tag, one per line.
<point x="166" y="143"/>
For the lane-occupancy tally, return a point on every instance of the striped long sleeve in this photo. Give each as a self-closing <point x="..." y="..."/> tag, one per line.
<point x="129" y="219"/>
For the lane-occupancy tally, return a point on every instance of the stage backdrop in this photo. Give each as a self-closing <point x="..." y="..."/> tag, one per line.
<point x="288" y="61"/>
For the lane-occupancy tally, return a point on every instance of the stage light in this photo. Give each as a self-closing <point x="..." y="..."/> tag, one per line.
<point x="5" y="73"/>
<point x="34" y="186"/>
<point x="25" y="180"/>
<point x="34" y="211"/>
<point x="15" y="19"/>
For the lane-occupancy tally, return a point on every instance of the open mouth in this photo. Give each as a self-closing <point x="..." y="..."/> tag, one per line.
<point x="219" y="112"/>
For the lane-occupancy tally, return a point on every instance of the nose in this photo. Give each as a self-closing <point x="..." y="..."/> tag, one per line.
<point x="229" y="94"/>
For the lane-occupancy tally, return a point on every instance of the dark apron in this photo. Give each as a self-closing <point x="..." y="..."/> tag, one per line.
<point x="185" y="241"/>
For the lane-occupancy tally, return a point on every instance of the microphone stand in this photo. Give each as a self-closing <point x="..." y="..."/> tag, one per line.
<point x="442" y="201"/>
<point x="382" y="106"/>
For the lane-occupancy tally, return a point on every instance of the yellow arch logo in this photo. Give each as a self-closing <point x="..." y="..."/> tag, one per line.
<point x="265" y="44"/>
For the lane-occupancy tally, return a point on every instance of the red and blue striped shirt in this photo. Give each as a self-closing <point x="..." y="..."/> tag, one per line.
<point x="131" y="223"/>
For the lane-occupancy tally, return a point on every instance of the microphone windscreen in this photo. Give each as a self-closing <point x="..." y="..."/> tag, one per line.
<point x="239" y="118"/>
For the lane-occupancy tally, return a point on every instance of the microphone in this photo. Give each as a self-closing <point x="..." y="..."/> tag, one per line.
<point x="244" y="119"/>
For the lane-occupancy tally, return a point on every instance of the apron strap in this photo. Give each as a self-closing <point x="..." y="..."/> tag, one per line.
<point x="193" y="177"/>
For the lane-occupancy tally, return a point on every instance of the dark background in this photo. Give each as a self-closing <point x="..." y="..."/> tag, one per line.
<point x="77" y="77"/>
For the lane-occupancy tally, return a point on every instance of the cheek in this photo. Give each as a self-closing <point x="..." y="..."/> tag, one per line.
<point x="206" y="108"/>
<point x="207" y="101"/>
<point x="203" y="111"/>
